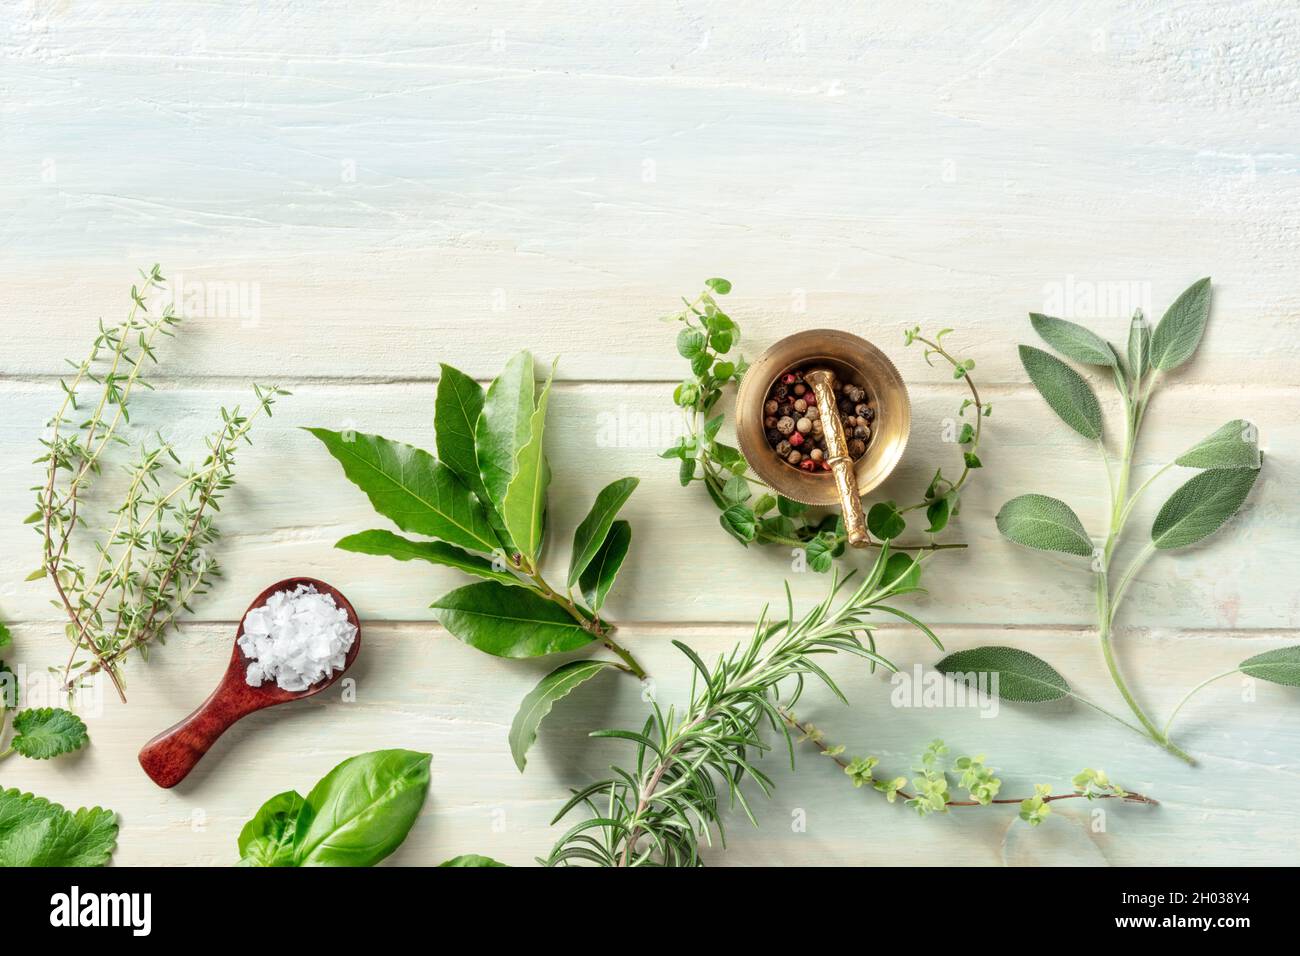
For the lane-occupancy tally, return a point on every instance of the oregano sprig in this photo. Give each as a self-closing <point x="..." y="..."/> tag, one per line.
<point x="930" y="790"/>
<point x="749" y="512"/>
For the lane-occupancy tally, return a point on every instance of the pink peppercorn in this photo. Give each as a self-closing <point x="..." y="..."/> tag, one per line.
<point x="795" y="439"/>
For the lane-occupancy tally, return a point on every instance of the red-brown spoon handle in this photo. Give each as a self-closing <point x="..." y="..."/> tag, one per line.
<point x="170" y="756"/>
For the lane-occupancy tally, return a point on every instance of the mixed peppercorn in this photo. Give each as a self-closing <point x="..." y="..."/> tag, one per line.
<point x="794" y="426"/>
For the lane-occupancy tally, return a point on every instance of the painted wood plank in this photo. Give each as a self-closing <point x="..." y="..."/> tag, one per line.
<point x="417" y="687"/>
<point x="276" y="526"/>
<point x="371" y="317"/>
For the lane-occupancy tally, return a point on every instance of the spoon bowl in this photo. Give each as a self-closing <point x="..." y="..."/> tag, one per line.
<point x="169" y="757"/>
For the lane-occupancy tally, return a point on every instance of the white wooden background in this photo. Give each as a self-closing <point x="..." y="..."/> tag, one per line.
<point x="407" y="183"/>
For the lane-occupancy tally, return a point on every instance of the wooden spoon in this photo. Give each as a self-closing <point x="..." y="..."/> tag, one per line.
<point x="170" y="756"/>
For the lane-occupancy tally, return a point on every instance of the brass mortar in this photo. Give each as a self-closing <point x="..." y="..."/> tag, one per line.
<point x="851" y="360"/>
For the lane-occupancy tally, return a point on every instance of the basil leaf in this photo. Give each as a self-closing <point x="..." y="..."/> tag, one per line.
<point x="1280" y="666"/>
<point x="1048" y="524"/>
<point x="590" y="535"/>
<point x="411" y="488"/>
<point x="1073" y="340"/>
<point x="5" y="637"/>
<point x="387" y="544"/>
<point x="555" y="686"/>
<point x="505" y="425"/>
<point x="509" y="622"/>
<point x="456" y="409"/>
<point x="46" y="732"/>
<point x="472" y="859"/>
<point x="1234" y="445"/>
<point x="740" y="523"/>
<point x="1181" y="327"/>
<point x="362" y="810"/>
<point x="885" y="521"/>
<point x="1201" y="506"/>
<point x="524" y="507"/>
<point x="1022" y="677"/>
<point x="36" y="832"/>
<point x="1066" y="391"/>
<point x="268" y="839"/>
<point x="1139" y="345"/>
<point x="598" y="577"/>
<point x="720" y="286"/>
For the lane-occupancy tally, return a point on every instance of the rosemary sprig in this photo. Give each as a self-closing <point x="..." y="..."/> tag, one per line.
<point x="152" y="560"/>
<point x="658" y="812"/>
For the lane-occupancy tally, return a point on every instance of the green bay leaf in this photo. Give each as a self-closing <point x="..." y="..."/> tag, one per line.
<point x="386" y="544"/>
<point x="534" y="708"/>
<point x="411" y="488"/>
<point x="590" y="534"/>
<point x="524" y="507"/>
<point x="509" y="622"/>
<point x="505" y="425"/>
<point x="456" y="409"/>
<point x="598" y="577"/>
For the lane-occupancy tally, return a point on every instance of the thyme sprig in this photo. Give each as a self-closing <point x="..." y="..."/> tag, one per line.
<point x="748" y="511"/>
<point x="152" y="561"/>
<point x="659" y="811"/>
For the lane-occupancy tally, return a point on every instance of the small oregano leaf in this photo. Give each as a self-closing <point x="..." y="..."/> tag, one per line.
<point x="885" y="521"/>
<point x="1022" y="677"/>
<point x="1065" y="390"/>
<point x="1201" y="506"/>
<point x="1045" y="523"/>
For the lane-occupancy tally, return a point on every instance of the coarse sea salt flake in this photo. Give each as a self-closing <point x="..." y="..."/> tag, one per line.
<point x="296" y="639"/>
